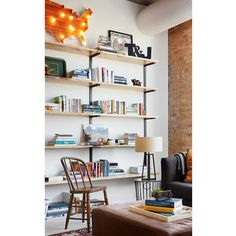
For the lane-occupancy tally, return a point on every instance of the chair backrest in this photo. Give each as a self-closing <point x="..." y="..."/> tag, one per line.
<point x="75" y="170"/>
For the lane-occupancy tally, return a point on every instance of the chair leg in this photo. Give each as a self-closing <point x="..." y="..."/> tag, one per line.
<point x="83" y="207"/>
<point x="88" y="211"/>
<point x="69" y="209"/>
<point x="105" y="196"/>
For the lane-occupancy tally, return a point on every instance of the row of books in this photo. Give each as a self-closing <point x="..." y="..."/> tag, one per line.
<point x="62" y="140"/>
<point x="111" y="106"/>
<point x="101" y="168"/>
<point x="98" y="74"/>
<point x="135" y="109"/>
<point x="63" y="104"/>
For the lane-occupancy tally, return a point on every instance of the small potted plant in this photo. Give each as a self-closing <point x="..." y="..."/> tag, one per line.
<point x="160" y="194"/>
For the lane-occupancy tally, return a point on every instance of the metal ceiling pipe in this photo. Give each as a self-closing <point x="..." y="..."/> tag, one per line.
<point x="163" y="15"/>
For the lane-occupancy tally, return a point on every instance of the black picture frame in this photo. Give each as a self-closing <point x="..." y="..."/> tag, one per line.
<point x="56" y="66"/>
<point x="114" y="34"/>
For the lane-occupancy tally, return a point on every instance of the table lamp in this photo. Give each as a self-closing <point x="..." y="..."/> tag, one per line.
<point x="148" y="145"/>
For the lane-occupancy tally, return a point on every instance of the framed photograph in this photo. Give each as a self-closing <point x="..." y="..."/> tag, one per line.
<point x="55" y="66"/>
<point x="118" y="41"/>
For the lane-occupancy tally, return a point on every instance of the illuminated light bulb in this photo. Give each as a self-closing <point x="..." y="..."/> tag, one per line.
<point x="81" y="33"/>
<point x="83" y="23"/>
<point x="71" y="17"/>
<point x="53" y="20"/>
<point x="71" y="27"/>
<point x="62" y="36"/>
<point x="84" y="43"/>
<point x="86" y="15"/>
<point x="62" y="14"/>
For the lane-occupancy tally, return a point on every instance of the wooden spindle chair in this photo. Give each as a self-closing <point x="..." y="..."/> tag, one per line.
<point x="74" y="168"/>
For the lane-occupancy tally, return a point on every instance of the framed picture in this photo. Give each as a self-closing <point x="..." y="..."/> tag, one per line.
<point x="118" y="41"/>
<point x="55" y="66"/>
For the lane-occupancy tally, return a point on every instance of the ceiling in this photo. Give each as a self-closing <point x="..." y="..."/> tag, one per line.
<point x="143" y="2"/>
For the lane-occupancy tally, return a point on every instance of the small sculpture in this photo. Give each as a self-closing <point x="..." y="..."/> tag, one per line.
<point x="134" y="50"/>
<point x="136" y="82"/>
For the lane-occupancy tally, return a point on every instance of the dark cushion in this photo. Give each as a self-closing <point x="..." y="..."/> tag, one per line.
<point x="181" y="189"/>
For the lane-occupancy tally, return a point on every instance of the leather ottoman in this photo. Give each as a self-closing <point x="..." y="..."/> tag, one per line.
<point x="117" y="220"/>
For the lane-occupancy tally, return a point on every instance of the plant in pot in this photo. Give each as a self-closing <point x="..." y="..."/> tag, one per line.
<point x="160" y="194"/>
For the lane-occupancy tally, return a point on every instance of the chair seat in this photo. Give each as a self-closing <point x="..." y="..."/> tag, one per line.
<point x="89" y="189"/>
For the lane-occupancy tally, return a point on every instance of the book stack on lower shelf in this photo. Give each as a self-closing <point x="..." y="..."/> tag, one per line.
<point x="57" y="209"/>
<point x="62" y="140"/>
<point x="165" y="210"/>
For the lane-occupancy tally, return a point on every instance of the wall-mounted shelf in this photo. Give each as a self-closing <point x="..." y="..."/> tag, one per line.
<point x="88" y="83"/>
<point x="98" y="115"/>
<point x="125" y="58"/>
<point x="87" y="146"/>
<point x="98" y="53"/>
<point x="125" y="176"/>
<point x="68" y="48"/>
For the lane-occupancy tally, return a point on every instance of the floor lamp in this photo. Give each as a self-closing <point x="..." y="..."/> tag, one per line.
<point x="148" y="145"/>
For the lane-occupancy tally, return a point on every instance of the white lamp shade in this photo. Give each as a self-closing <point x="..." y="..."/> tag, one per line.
<point x="148" y="144"/>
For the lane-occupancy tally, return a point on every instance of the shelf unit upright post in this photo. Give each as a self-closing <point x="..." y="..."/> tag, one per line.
<point x="91" y="98"/>
<point x="145" y="97"/>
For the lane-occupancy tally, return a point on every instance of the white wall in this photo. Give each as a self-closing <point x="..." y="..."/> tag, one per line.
<point x="120" y="16"/>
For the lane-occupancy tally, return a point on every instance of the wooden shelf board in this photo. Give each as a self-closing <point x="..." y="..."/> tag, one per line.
<point x="87" y="83"/>
<point x="64" y="80"/>
<point x="67" y="113"/>
<point x="122" y="87"/>
<point x="126" y="58"/>
<point x="102" y="54"/>
<point x="68" y="48"/>
<point x="67" y="147"/>
<point x="125" y="176"/>
<point x="88" y="146"/>
<point x="99" y="115"/>
<point x="128" y="116"/>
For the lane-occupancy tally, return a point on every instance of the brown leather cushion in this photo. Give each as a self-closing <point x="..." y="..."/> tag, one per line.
<point x="189" y="167"/>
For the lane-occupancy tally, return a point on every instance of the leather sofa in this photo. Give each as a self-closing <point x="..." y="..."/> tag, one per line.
<point x="172" y="180"/>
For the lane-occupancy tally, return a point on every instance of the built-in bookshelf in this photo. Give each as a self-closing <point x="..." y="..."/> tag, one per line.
<point x="84" y="82"/>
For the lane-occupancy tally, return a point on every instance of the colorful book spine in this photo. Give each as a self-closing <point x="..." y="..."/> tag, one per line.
<point x="172" y="202"/>
<point x="162" y="209"/>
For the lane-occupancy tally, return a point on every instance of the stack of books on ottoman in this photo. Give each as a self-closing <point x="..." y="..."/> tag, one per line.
<point x="165" y="210"/>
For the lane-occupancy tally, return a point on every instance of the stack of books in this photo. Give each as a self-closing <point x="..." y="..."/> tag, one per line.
<point x="49" y="106"/>
<point x="120" y="80"/>
<point x="57" y="209"/>
<point x="87" y="108"/>
<point x="167" y="207"/>
<point x="114" y="169"/>
<point x="80" y="73"/>
<point x="62" y="140"/>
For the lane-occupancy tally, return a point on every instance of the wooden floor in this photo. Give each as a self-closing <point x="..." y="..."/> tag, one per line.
<point x="57" y="225"/>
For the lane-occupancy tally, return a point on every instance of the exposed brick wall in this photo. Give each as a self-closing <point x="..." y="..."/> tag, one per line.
<point x="180" y="87"/>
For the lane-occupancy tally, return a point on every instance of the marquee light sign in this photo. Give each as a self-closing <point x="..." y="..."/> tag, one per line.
<point x="64" y="22"/>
